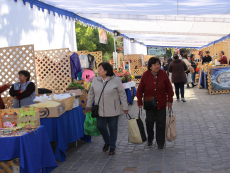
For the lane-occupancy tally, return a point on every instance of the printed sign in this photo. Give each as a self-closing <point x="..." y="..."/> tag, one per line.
<point x="220" y="78"/>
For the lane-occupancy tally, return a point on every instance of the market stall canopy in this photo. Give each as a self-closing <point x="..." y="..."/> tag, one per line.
<point x="189" y="23"/>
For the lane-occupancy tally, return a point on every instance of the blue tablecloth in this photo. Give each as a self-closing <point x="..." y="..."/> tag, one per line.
<point x="33" y="149"/>
<point x="67" y="128"/>
<point x="129" y="96"/>
<point x="202" y="79"/>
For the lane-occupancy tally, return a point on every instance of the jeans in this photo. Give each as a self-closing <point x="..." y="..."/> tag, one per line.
<point x="194" y="77"/>
<point x="111" y="136"/>
<point x="158" y="116"/>
<point x="179" y="86"/>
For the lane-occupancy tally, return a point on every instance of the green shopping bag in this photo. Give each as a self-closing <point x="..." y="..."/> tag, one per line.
<point x="90" y="125"/>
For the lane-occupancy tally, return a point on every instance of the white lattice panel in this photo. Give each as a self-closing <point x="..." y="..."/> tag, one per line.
<point x="14" y="59"/>
<point x="53" y="69"/>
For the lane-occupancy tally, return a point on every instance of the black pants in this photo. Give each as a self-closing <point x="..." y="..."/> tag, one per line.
<point x="179" y="87"/>
<point x="158" y="116"/>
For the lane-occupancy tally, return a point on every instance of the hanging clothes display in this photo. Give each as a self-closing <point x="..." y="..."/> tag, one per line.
<point x="79" y="76"/>
<point x="88" y="75"/>
<point x="84" y="61"/>
<point x="75" y="65"/>
<point x="92" y="62"/>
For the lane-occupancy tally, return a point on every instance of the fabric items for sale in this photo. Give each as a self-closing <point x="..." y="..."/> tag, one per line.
<point x="84" y="61"/>
<point x="75" y="65"/>
<point x="88" y="75"/>
<point x="92" y="62"/>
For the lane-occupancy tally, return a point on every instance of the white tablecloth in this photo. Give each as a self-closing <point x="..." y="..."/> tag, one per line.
<point x="129" y="85"/>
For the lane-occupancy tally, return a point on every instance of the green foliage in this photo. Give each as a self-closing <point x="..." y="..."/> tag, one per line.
<point x="76" y="84"/>
<point x="88" y="39"/>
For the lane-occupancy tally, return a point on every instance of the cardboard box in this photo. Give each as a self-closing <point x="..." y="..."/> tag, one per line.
<point x="77" y="92"/>
<point x="52" y="112"/>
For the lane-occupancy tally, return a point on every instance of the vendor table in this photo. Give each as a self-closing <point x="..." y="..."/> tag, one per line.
<point x="33" y="149"/>
<point x="67" y="128"/>
<point x="204" y="80"/>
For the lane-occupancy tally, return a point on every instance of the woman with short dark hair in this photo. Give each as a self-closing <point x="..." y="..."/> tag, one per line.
<point x="155" y="82"/>
<point x="23" y="91"/>
<point x="109" y="105"/>
<point x="177" y="67"/>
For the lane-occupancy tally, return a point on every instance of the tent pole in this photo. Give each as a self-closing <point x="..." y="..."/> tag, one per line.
<point x="114" y="43"/>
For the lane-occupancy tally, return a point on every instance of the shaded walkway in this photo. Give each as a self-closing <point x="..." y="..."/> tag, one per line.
<point x="202" y="145"/>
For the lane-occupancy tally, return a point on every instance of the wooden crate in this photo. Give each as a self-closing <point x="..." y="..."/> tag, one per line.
<point x="12" y="60"/>
<point x="7" y="166"/>
<point x="8" y="101"/>
<point x="53" y="69"/>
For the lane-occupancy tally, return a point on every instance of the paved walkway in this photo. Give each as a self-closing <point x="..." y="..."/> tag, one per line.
<point x="202" y="145"/>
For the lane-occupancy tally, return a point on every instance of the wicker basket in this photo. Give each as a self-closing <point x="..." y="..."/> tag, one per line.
<point x="68" y="101"/>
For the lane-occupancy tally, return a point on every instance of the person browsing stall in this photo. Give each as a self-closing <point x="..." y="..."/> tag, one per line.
<point x="223" y="59"/>
<point x="2" y="89"/>
<point x="178" y="68"/>
<point x="109" y="105"/>
<point x="23" y="91"/>
<point x="155" y="82"/>
<point x="207" y="58"/>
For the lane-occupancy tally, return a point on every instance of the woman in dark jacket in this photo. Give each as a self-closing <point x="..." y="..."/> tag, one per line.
<point x="177" y="67"/>
<point x="155" y="81"/>
<point x="23" y="91"/>
<point x="2" y="89"/>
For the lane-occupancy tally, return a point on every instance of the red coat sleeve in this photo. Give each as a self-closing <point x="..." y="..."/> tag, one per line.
<point x="140" y="91"/>
<point x="223" y="60"/>
<point x="169" y="90"/>
<point x="3" y="88"/>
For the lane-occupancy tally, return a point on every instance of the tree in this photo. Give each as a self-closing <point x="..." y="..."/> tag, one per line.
<point x="88" y="39"/>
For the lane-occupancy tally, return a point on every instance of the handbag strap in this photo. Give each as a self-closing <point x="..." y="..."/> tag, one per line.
<point x="170" y="112"/>
<point x="102" y="92"/>
<point x="140" y="113"/>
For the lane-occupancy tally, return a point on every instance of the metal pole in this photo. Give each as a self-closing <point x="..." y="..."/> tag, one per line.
<point x="114" y="43"/>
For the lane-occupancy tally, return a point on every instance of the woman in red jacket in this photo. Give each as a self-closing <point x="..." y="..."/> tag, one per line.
<point x="2" y="89"/>
<point x="155" y="81"/>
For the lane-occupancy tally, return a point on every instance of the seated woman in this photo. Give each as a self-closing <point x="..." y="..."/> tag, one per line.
<point x="23" y="91"/>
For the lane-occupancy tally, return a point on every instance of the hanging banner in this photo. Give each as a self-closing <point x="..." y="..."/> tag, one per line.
<point x="220" y="78"/>
<point x="103" y="36"/>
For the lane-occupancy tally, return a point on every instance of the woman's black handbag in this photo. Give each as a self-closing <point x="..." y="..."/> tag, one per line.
<point x="152" y="104"/>
<point x="95" y="109"/>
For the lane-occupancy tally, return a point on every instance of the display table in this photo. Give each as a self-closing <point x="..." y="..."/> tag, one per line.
<point x="67" y="128"/>
<point x="33" y="149"/>
<point x="203" y="80"/>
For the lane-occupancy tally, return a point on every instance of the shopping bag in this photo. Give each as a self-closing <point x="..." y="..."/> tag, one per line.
<point x="136" y="130"/>
<point x="90" y="125"/>
<point x="189" y="78"/>
<point x="171" y="132"/>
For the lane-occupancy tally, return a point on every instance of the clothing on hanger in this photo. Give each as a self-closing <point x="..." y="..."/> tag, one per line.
<point x="84" y="61"/>
<point x="75" y="65"/>
<point x="92" y="62"/>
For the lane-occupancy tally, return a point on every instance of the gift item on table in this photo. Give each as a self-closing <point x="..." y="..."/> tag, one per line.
<point x="30" y="117"/>
<point x="9" y="120"/>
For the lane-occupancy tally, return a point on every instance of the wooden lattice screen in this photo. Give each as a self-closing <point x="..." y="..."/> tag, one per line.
<point x="14" y="59"/>
<point x="139" y="71"/>
<point x="53" y="68"/>
<point x="7" y="166"/>
<point x="147" y="57"/>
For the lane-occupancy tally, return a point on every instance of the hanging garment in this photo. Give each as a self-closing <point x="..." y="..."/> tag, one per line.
<point x="92" y="62"/>
<point x="88" y="75"/>
<point x="75" y="65"/>
<point x="84" y="61"/>
<point x="79" y="76"/>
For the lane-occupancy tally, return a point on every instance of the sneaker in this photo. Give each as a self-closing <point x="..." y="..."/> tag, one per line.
<point x="183" y="100"/>
<point x="106" y="147"/>
<point x="178" y="100"/>
<point x="112" y="151"/>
